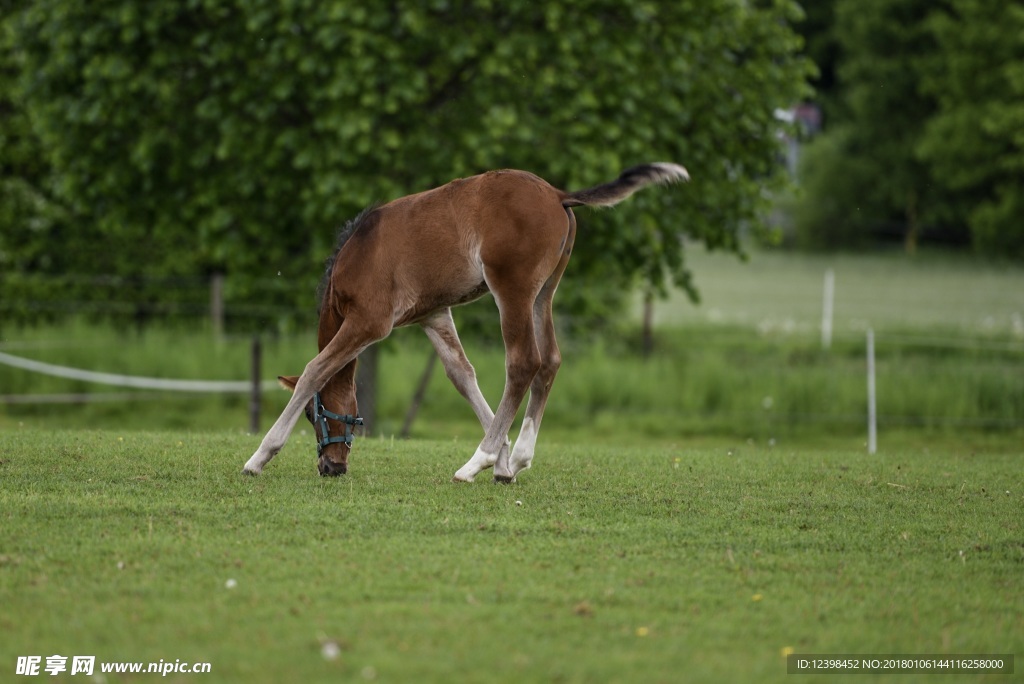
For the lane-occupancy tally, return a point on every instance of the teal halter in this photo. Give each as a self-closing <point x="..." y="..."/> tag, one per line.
<point x="320" y="418"/>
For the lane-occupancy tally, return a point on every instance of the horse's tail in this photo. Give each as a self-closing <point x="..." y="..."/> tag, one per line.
<point x="631" y="180"/>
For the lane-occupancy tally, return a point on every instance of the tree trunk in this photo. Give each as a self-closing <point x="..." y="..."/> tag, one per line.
<point x="217" y="305"/>
<point x="647" y="333"/>
<point x="366" y="388"/>
<point x="913" y="224"/>
<point x="417" y="397"/>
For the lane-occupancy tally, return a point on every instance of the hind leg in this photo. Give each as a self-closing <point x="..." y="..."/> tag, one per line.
<point x="521" y="266"/>
<point x="551" y="359"/>
<point x="522" y="360"/>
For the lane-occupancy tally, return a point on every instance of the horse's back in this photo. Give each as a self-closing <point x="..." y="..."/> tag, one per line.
<point x="487" y="195"/>
<point x="434" y="249"/>
<point x="484" y="217"/>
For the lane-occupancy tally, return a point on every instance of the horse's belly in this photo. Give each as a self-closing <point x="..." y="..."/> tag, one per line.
<point x="415" y="310"/>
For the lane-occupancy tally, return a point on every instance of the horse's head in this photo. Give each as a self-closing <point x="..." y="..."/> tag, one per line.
<point x="333" y="428"/>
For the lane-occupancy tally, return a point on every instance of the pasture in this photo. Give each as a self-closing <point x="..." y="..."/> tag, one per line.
<point x="780" y="293"/>
<point x="656" y="564"/>
<point x="747" y="364"/>
<point x="692" y="516"/>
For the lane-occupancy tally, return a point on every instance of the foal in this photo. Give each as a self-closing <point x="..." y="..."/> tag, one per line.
<point x="409" y="261"/>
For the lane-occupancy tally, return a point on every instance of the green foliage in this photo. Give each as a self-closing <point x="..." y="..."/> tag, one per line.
<point x="821" y="47"/>
<point x="833" y="209"/>
<point x="200" y="137"/>
<point x="865" y="175"/>
<point x="29" y="211"/>
<point x="974" y="142"/>
<point x="924" y="126"/>
<point x="653" y="562"/>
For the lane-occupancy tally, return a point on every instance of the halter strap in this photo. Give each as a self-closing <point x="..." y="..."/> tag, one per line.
<point x="322" y="415"/>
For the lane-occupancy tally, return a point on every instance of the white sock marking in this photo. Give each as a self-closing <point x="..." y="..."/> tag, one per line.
<point x="481" y="461"/>
<point x="522" y="453"/>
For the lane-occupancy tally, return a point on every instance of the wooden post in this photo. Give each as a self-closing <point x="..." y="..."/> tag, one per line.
<point x="217" y="305"/>
<point x="417" y="397"/>
<point x="647" y="335"/>
<point x="828" y="295"/>
<point x="366" y="388"/>
<point x="255" y="398"/>
<point x="872" y="413"/>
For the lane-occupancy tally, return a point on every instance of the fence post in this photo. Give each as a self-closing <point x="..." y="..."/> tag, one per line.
<point x="255" y="397"/>
<point x="872" y="414"/>
<point x="417" y="397"/>
<point x="217" y="305"/>
<point x="647" y="333"/>
<point x="366" y="388"/>
<point x="828" y="296"/>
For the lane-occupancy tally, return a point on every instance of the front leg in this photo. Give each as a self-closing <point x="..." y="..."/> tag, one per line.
<point x="277" y="436"/>
<point x="346" y="344"/>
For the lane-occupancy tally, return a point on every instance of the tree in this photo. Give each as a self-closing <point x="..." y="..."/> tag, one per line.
<point x="975" y="141"/>
<point x="923" y="126"/>
<point x="228" y="137"/>
<point x="822" y="48"/>
<point x="28" y="207"/>
<point x="865" y="173"/>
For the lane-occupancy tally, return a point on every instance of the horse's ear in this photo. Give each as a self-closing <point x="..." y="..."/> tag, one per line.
<point x="288" y="382"/>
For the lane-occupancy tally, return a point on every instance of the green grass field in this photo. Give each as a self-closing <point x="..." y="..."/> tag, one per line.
<point x="780" y="293"/>
<point x="693" y="516"/>
<point x="745" y="364"/>
<point x="654" y="564"/>
<point x="722" y="383"/>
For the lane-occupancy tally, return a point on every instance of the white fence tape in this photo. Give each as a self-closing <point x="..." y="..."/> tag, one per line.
<point x="134" y="381"/>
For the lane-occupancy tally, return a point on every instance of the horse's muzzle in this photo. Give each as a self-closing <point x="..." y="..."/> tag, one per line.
<point x="330" y="468"/>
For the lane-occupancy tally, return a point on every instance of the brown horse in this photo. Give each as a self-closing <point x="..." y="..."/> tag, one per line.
<point x="509" y="233"/>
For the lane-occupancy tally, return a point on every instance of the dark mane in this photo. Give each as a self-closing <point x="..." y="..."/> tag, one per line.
<point x="365" y="218"/>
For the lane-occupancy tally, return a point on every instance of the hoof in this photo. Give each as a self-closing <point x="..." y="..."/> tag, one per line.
<point x="456" y="478"/>
<point x="504" y="479"/>
<point x="250" y="473"/>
